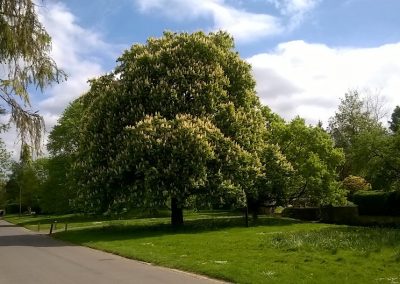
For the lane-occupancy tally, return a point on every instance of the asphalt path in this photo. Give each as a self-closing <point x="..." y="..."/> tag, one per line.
<point x="29" y="257"/>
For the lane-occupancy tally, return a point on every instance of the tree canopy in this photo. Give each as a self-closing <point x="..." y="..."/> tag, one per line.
<point x="63" y="138"/>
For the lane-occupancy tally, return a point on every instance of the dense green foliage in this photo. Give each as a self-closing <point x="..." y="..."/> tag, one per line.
<point x="63" y="138"/>
<point x="55" y="194"/>
<point x="58" y="194"/>
<point x="314" y="161"/>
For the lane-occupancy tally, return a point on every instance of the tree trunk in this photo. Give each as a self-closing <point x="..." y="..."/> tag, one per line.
<point x="246" y="216"/>
<point x="254" y="213"/>
<point x="253" y="208"/>
<point x="176" y="213"/>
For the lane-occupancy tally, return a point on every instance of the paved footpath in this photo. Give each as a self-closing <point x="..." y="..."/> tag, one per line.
<point x="29" y="257"/>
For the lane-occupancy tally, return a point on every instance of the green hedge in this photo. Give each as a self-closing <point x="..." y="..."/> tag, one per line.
<point x="339" y="214"/>
<point x="378" y="203"/>
<point x="379" y="221"/>
<point x="327" y="214"/>
<point x="307" y="214"/>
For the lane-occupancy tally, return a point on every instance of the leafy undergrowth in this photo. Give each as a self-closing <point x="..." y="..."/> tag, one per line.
<point x="271" y="250"/>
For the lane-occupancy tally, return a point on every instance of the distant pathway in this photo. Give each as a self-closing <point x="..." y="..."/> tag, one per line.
<point x="29" y="257"/>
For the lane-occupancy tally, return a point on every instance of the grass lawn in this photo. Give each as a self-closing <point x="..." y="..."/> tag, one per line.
<point x="272" y="250"/>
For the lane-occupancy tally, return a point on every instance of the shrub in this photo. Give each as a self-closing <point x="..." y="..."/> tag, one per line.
<point x="307" y="214"/>
<point x="378" y="203"/>
<point x="355" y="183"/>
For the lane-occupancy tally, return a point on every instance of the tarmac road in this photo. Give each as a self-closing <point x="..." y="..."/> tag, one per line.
<point x="29" y="257"/>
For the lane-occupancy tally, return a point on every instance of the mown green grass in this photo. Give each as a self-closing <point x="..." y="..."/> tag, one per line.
<point x="271" y="250"/>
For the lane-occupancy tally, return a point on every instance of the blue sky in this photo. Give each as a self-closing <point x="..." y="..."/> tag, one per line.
<point x="305" y="53"/>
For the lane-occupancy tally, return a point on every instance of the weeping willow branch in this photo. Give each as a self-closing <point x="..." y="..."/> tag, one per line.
<point x="24" y="53"/>
<point x="30" y="125"/>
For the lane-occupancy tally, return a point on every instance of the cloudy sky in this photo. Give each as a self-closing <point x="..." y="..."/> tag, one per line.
<point x="305" y="53"/>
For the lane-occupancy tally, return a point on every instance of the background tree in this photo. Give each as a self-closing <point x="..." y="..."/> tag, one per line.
<point x="24" y="180"/>
<point x="367" y="154"/>
<point x="27" y="180"/>
<point x="354" y="119"/>
<point x="384" y="167"/>
<point x="24" y="51"/>
<point x="57" y="193"/>
<point x="12" y="190"/>
<point x="314" y="160"/>
<point x="5" y="167"/>
<point x="375" y="104"/>
<point x="394" y="124"/>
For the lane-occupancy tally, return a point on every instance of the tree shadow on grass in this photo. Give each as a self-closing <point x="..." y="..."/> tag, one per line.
<point x="138" y="231"/>
<point x="159" y="215"/>
<point x="75" y="218"/>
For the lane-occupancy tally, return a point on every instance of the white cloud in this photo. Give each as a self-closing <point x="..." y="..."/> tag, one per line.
<point x="244" y="26"/>
<point x="291" y="7"/>
<point x="79" y="52"/>
<point x="300" y="78"/>
<point x="294" y="10"/>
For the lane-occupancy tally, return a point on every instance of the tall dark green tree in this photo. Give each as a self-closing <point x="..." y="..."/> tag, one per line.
<point x="57" y="193"/>
<point x="394" y="123"/>
<point x="5" y="167"/>
<point x="24" y="180"/>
